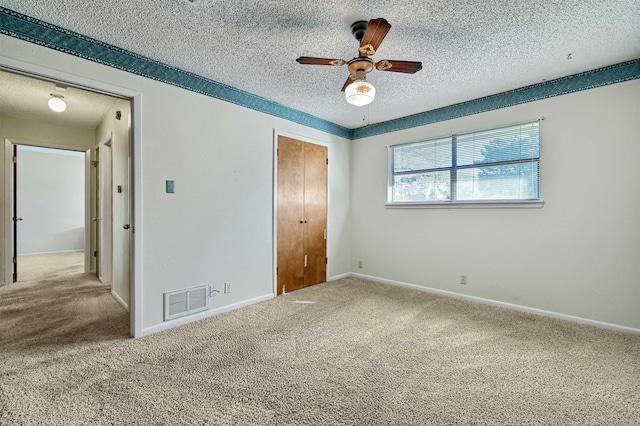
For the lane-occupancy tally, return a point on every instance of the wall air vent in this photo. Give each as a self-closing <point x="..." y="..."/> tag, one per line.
<point x="180" y="303"/>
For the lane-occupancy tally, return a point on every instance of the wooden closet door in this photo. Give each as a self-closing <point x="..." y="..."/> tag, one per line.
<point x="290" y="214"/>
<point x="315" y="205"/>
<point x="302" y="214"/>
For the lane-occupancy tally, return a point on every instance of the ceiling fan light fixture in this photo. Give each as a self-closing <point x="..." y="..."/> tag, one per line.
<point x="57" y="103"/>
<point x="360" y="93"/>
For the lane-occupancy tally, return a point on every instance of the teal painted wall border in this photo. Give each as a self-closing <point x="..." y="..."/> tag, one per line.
<point x="612" y="74"/>
<point x="35" y="31"/>
<point x="44" y="34"/>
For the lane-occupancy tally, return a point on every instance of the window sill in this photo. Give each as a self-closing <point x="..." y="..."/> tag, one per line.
<point x="485" y="204"/>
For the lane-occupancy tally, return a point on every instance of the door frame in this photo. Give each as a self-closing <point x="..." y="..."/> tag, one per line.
<point x="135" y="99"/>
<point x="9" y="143"/>
<point x="276" y="134"/>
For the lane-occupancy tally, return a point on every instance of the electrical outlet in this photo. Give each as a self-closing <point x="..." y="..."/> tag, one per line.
<point x="360" y="264"/>
<point x="227" y="287"/>
<point x="464" y="279"/>
<point x="213" y="290"/>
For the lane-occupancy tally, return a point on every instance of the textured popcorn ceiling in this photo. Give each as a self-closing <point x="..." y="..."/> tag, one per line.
<point x="469" y="49"/>
<point x="27" y="98"/>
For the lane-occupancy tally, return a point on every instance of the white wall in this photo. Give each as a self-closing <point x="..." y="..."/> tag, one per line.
<point x="577" y="256"/>
<point x="50" y="199"/>
<point x="217" y="227"/>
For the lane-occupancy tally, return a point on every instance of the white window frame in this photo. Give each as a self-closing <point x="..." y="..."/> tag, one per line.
<point x="449" y="204"/>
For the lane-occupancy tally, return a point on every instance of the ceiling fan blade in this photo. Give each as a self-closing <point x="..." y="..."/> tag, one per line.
<point x="306" y="60"/>
<point x="376" y="32"/>
<point x="408" y="67"/>
<point x="348" y="82"/>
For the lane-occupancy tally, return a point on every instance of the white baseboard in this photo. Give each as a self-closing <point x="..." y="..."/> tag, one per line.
<point x="51" y="252"/>
<point x="339" y="277"/>
<point x="119" y="299"/>
<point x="202" y="315"/>
<point x="580" y="320"/>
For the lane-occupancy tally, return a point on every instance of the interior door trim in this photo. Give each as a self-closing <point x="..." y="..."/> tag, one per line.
<point x="276" y="133"/>
<point x="135" y="98"/>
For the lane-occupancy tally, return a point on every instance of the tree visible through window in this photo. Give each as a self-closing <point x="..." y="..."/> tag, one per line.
<point x="497" y="164"/>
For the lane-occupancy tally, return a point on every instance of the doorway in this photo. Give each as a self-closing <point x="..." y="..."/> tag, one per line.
<point x="48" y="203"/>
<point x="124" y="193"/>
<point x="86" y="224"/>
<point x="302" y="199"/>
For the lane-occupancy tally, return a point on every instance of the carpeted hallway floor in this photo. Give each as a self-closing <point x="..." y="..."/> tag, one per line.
<point x="44" y="266"/>
<point x="55" y="303"/>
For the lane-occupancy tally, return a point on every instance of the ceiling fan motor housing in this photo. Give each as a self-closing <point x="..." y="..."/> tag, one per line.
<point x="358" y="28"/>
<point x="361" y="63"/>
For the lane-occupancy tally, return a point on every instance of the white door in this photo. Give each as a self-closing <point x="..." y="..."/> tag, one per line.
<point x="122" y="230"/>
<point x="104" y="218"/>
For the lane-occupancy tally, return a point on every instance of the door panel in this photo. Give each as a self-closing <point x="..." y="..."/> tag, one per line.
<point x="104" y="209"/>
<point x="290" y="213"/>
<point x="105" y="252"/>
<point x="122" y="230"/>
<point x="95" y="221"/>
<point x="302" y="214"/>
<point x="315" y="192"/>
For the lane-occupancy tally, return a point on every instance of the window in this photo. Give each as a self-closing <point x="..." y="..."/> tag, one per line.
<point x="497" y="165"/>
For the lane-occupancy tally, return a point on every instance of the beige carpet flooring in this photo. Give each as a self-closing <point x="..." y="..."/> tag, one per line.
<point x="349" y="352"/>
<point x="43" y="266"/>
<point x="55" y="303"/>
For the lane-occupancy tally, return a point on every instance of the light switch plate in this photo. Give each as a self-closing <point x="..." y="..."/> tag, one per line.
<point x="171" y="187"/>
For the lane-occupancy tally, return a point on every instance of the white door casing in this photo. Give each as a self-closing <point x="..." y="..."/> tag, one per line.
<point x="135" y="175"/>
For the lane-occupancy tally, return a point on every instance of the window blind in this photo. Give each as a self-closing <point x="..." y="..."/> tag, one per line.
<point x="493" y="164"/>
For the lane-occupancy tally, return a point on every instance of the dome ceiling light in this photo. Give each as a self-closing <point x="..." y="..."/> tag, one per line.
<point x="57" y="103"/>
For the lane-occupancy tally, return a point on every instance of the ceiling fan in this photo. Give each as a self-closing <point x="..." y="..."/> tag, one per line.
<point x="370" y="34"/>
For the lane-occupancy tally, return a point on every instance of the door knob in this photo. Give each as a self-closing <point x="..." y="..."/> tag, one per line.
<point x="127" y="226"/>
<point x="95" y="219"/>
<point x="15" y="219"/>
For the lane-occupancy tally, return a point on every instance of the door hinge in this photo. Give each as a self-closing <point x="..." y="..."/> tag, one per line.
<point x="305" y="260"/>
<point x="278" y="152"/>
<point x="327" y="161"/>
<point x="325" y="233"/>
<point x="95" y="253"/>
<point x="14" y="260"/>
<point x="14" y="159"/>
<point x="326" y="260"/>
<point x="276" y="271"/>
<point x="94" y="163"/>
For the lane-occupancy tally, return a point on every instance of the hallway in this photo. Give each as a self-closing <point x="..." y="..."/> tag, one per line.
<point x="55" y="303"/>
